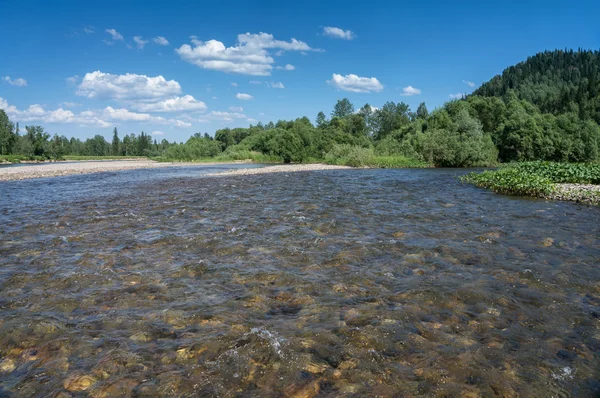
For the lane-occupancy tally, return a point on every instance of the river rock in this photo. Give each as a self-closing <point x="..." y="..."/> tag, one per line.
<point x="78" y="382"/>
<point x="7" y="365"/>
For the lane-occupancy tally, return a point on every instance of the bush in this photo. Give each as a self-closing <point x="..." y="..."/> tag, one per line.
<point x="349" y="155"/>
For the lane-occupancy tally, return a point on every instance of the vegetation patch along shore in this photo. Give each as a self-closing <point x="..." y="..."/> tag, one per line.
<point x="561" y="181"/>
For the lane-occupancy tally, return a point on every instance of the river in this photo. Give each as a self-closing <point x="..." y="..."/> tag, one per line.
<point x="165" y="282"/>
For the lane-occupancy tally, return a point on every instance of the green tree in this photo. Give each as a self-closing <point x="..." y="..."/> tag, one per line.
<point x="38" y="139"/>
<point x="116" y="143"/>
<point x="422" y="112"/>
<point x="8" y="137"/>
<point x="321" y="120"/>
<point x="342" y="108"/>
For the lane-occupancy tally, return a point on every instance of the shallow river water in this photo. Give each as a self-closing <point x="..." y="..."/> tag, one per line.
<point x="332" y="283"/>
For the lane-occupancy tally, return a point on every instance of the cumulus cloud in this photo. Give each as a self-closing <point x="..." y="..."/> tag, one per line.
<point x="95" y="118"/>
<point x="175" y="104"/>
<point x="161" y="41"/>
<point x="456" y="96"/>
<point x="286" y="67"/>
<point x="410" y="91"/>
<point x="222" y="116"/>
<point x="19" y="81"/>
<point x="244" y="97"/>
<point x="89" y="29"/>
<point x="140" y="41"/>
<point x="238" y="109"/>
<point x="277" y="85"/>
<point x="116" y="36"/>
<point x="249" y="56"/>
<point x="338" y="33"/>
<point x="126" y="87"/>
<point x="155" y="133"/>
<point x="468" y="83"/>
<point x="255" y="82"/>
<point x="234" y="84"/>
<point x="355" y="83"/>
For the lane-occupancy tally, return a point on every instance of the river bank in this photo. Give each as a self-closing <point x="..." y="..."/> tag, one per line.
<point x="57" y="169"/>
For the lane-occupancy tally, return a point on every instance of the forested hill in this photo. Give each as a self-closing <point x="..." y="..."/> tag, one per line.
<point x="557" y="82"/>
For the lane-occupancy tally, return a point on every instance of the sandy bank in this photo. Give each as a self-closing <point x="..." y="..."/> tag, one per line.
<point x="85" y="167"/>
<point x="286" y="168"/>
<point x="82" y="167"/>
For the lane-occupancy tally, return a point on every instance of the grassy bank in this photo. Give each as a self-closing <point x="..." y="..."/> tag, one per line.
<point x="356" y="156"/>
<point x="562" y="181"/>
<point x="224" y="157"/>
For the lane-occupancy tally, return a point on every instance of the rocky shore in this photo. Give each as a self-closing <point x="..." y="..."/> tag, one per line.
<point x="584" y="193"/>
<point x="287" y="168"/>
<point x="85" y="167"/>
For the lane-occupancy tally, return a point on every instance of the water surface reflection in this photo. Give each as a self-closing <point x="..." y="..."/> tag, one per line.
<point x="354" y="282"/>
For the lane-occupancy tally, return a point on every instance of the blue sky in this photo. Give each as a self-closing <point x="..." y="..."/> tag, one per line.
<point x="81" y="68"/>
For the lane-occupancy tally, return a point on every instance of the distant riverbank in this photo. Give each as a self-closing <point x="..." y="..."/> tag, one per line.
<point x="57" y="169"/>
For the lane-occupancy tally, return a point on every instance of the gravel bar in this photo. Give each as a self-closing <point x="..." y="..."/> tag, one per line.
<point x="83" y="167"/>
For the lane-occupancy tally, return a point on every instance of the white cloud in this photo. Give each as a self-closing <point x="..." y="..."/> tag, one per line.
<point x="126" y="87"/>
<point x="277" y="85"/>
<point x="261" y="114"/>
<point x="255" y="82"/>
<point x="116" y="36"/>
<point x="222" y="116"/>
<point x="179" y="123"/>
<point x="72" y="80"/>
<point x="338" y="33"/>
<point x="250" y="55"/>
<point x="161" y="41"/>
<point x="140" y="41"/>
<point x="456" y="96"/>
<point x="69" y="104"/>
<point x="409" y="91"/>
<point x="355" y="83"/>
<point x="155" y="133"/>
<point x="38" y="113"/>
<point x="88" y="29"/>
<point x="19" y="81"/>
<point x="373" y="109"/>
<point x="238" y="109"/>
<point x="234" y="84"/>
<point x="287" y="67"/>
<point x="175" y="104"/>
<point x="126" y="115"/>
<point x="244" y="97"/>
<point x="251" y="120"/>
<point x="95" y="118"/>
<point x="468" y="83"/>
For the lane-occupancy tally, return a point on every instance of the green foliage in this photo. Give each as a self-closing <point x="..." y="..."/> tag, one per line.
<point x="511" y="181"/>
<point x="535" y="178"/>
<point x="395" y="162"/>
<point x="556" y="82"/>
<point x="195" y="148"/>
<point x="563" y="173"/>
<point x="349" y="155"/>
<point x="546" y="108"/>
<point x="457" y="141"/>
<point x="343" y="108"/>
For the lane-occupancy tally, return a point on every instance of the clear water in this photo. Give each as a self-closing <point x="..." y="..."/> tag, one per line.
<point x="353" y="282"/>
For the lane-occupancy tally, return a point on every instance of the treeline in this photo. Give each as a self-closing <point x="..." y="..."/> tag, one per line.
<point x="36" y="143"/>
<point x="546" y="108"/>
<point x="556" y="82"/>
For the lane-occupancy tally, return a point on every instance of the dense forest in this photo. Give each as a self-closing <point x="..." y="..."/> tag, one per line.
<point x="37" y="144"/>
<point x="546" y="108"/>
